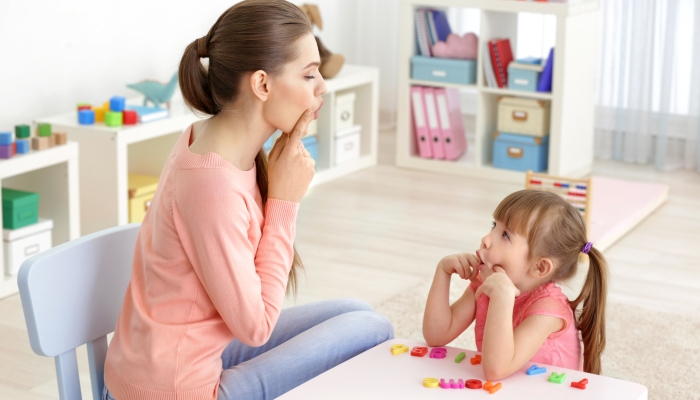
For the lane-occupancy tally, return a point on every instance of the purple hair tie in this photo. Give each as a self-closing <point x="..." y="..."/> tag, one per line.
<point x="587" y="248"/>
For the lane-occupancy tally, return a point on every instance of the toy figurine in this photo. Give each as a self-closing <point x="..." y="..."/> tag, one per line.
<point x="330" y="63"/>
<point x="156" y="92"/>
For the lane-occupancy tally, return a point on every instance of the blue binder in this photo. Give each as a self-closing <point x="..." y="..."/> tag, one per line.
<point x="545" y="83"/>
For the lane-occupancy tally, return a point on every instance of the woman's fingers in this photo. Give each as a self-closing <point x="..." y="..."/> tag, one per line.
<point x="277" y="147"/>
<point x="299" y="131"/>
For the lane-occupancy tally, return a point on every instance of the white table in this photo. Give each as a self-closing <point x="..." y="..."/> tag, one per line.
<point x="377" y="374"/>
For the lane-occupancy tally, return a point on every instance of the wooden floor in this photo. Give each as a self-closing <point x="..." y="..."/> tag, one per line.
<point x="381" y="231"/>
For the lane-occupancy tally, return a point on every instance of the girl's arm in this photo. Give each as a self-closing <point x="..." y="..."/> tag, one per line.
<point x="504" y="350"/>
<point x="442" y="323"/>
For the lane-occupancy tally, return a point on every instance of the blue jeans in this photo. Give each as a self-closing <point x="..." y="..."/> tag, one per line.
<point x="307" y="341"/>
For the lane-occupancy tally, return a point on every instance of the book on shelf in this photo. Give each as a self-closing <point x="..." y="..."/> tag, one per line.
<point x="420" y="125"/>
<point x="422" y="35"/>
<point x="450" y="114"/>
<point x="431" y="26"/>
<point x="488" y="67"/>
<point x="148" y="114"/>
<point x="442" y="26"/>
<point x="431" y="112"/>
<point x="501" y="56"/>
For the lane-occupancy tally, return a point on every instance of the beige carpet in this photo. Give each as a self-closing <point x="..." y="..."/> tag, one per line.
<point x="659" y="350"/>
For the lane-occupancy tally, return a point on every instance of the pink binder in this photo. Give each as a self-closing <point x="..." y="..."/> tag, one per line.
<point x="436" y="140"/>
<point x="451" y="124"/>
<point x="419" y="123"/>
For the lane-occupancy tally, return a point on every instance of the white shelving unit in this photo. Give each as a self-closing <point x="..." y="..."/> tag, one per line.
<point x="572" y="97"/>
<point x="53" y="173"/>
<point x="109" y="154"/>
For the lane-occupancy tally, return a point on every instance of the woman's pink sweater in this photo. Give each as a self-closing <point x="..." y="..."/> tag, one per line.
<point x="209" y="266"/>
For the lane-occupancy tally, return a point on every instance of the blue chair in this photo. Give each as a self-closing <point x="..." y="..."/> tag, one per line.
<point x="72" y="295"/>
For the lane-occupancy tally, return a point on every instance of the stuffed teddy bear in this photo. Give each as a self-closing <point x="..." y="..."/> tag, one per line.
<point x="330" y="63"/>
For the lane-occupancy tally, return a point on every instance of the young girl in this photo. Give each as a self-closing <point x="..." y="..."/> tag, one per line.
<point x="202" y="316"/>
<point x="521" y="315"/>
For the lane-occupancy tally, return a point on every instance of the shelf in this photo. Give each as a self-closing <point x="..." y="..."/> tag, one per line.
<point x="418" y="82"/>
<point x="109" y="154"/>
<point x="128" y="134"/>
<point x="461" y="168"/>
<point x="561" y="9"/>
<point x="53" y="174"/>
<point x="572" y="121"/>
<point x="517" y="93"/>
<point x="23" y="163"/>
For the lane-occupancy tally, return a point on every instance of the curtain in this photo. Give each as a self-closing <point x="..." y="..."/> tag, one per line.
<point x="648" y="107"/>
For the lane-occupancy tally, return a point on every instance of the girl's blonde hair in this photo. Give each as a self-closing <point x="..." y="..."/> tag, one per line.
<point x="251" y="35"/>
<point x="556" y="230"/>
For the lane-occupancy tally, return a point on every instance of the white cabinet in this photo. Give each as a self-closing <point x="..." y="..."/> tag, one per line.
<point x="109" y="154"/>
<point x="572" y="98"/>
<point x="53" y="173"/>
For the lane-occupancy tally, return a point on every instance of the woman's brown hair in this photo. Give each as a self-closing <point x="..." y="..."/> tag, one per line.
<point x="555" y="229"/>
<point x="250" y="36"/>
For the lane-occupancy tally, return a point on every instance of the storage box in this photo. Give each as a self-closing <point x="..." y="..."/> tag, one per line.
<point x="20" y="244"/>
<point x="345" y="111"/>
<point x="523" y="116"/>
<point x="141" y="191"/>
<point x="311" y="145"/>
<point x="19" y="208"/>
<point x="519" y="152"/>
<point x="347" y="144"/>
<point x="443" y="70"/>
<point x="523" y="76"/>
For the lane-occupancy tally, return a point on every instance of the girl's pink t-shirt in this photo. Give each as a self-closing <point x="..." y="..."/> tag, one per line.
<point x="563" y="348"/>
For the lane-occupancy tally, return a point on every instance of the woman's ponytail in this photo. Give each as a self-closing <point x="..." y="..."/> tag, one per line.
<point x="297" y="265"/>
<point x="591" y="319"/>
<point x="194" y="80"/>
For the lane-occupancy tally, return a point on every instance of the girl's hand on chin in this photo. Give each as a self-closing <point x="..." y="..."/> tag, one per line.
<point x="465" y="265"/>
<point x="497" y="284"/>
<point x="290" y="167"/>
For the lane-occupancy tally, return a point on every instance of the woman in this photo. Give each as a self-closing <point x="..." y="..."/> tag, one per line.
<point x="202" y="313"/>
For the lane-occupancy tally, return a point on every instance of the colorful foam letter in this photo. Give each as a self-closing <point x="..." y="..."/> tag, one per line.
<point x="398" y="349"/>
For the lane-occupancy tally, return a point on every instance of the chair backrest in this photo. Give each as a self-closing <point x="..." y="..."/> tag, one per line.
<point x="72" y="295"/>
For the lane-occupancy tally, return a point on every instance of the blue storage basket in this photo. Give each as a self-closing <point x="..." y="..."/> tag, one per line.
<point x="524" y="79"/>
<point x="443" y="70"/>
<point x="520" y="152"/>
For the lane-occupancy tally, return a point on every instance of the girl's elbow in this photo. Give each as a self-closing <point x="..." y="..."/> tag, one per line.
<point x="495" y="372"/>
<point x="431" y="339"/>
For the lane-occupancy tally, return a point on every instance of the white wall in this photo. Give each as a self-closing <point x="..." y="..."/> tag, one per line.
<point x="55" y="54"/>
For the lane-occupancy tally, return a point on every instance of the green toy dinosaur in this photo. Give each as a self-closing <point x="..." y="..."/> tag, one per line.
<point x="156" y="92"/>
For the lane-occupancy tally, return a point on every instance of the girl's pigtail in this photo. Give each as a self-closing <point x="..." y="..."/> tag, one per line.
<point x="591" y="319"/>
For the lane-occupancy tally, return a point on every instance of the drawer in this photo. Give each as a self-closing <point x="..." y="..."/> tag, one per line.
<point x="523" y="116"/>
<point x="347" y="145"/>
<point x="344" y="111"/>
<point x="18" y="250"/>
<point x="443" y="70"/>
